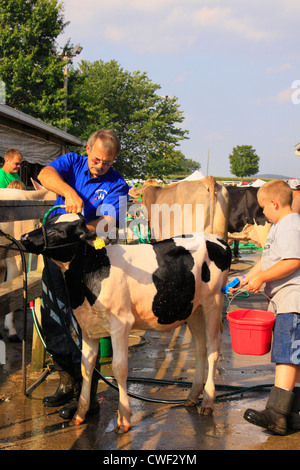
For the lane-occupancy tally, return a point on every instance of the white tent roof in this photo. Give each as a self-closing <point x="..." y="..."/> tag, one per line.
<point x="197" y="175"/>
<point x="257" y="183"/>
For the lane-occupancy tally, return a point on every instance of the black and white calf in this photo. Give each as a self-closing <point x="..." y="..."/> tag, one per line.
<point x="117" y="288"/>
<point x="246" y="213"/>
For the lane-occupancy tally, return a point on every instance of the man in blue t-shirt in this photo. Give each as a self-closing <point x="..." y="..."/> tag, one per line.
<point x="89" y="185"/>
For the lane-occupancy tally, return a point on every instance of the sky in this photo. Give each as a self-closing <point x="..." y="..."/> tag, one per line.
<point x="234" y="67"/>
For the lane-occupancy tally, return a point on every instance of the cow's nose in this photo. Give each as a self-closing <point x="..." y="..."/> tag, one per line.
<point x="25" y="240"/>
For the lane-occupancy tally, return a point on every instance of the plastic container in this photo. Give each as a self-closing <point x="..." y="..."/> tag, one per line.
<point x="251" y="331"/>
<point x="105" y="347"/>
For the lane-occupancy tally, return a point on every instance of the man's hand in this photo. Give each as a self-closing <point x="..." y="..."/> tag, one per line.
<point x="52" y="180"/>
<point x="73" y="202"/>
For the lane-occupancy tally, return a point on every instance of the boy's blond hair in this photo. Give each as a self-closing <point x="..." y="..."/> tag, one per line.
<point x="16" y="184"/>
<point x="278" y="190"/>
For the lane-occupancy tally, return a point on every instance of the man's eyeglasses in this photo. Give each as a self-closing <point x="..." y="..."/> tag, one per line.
<point x="95" y="161"/>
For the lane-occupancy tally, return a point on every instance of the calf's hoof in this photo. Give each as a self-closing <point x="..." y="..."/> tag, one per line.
<point x="122" y="428"/>
<point x="76" y="421"/>
<point x="188" y="402"/>
<point x="68" y="411"/>
<point x="206" y="411"/>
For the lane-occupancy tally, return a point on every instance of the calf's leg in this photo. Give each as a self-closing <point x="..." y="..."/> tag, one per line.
<point x="88" y="360"/>
<point x="213" y="315"/>
<point x="196" y="324"/>
<point x="9" y="325"/>
<point x="14" y="269"/>
<point x="119" y="335"/>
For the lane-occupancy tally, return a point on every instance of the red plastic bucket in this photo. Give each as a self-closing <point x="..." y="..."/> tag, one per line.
<point x="251" y="331"/>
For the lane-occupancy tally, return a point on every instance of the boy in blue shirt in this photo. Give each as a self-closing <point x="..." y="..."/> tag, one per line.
<point x="89" y="185"/>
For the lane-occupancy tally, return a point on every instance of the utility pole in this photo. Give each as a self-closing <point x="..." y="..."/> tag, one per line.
<point x="76" y="51"/>
<point x="207" y="164"/>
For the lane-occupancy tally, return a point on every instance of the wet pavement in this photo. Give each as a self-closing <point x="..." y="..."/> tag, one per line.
<point x="25" y="424"/>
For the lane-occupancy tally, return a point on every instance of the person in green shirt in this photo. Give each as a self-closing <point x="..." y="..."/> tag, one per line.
<point x="12" y="163"/>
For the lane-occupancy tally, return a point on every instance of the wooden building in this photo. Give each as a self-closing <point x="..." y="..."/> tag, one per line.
<point x="39" y="143"/>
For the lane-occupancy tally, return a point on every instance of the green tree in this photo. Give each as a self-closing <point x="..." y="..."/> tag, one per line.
<point x="189" y="165"/>
<point x="29" y="65"/>
<point x="244" y="161"/>
<point x="102" y="94"/>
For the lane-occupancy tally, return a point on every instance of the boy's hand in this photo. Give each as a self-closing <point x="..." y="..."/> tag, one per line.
<point x="242" y="283"/>
<point x="255" y="284"/>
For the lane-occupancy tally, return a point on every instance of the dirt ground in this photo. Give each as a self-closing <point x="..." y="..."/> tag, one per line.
<point x="25" y="424"/>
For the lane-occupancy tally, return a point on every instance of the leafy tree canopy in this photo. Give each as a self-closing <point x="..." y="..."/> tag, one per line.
<point x="244" y="161"/>
<point x="29" y="65"/>
<point x="102" y="94"/>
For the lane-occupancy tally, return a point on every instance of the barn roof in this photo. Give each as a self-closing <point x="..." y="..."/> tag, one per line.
<point x="38" y="141"/>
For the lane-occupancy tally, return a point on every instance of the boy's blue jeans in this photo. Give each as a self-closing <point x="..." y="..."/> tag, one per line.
<point x="286" y="339"/>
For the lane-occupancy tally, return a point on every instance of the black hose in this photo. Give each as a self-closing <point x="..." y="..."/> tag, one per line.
<point x="233" y="389"/>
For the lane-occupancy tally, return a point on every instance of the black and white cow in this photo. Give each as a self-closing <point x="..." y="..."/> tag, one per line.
<point x="246" y="219"/>
<point x="117" y="288"/>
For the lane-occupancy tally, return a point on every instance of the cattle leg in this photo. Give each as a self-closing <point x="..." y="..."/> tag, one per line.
<point x="9" y="325"/>
<point x="14" y="269"/>
<point x="120" y="334"/>
<point x="196" y="324"/>
<point x="212" y="313"/>
<point x="90" y="349"/>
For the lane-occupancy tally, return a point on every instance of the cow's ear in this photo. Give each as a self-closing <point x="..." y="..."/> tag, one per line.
<point x="87" y="235"/>
<point x="37" y="186"/>
<point x="83" y="231"/>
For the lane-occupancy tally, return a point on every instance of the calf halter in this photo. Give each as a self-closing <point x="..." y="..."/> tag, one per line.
<point x="46" y="246"/>
<point x="99" y="243"/>
<point x="44" y="231"/>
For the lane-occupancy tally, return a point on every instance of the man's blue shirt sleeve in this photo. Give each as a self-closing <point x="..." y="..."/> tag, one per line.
<point x="115" y="203"/>
<point x="63" y="165"/>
